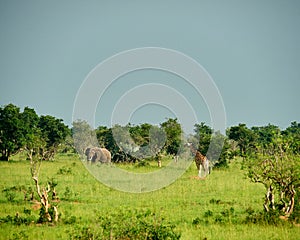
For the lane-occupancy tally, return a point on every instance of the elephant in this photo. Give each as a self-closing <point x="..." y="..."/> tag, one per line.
<point x="96" y="154"/>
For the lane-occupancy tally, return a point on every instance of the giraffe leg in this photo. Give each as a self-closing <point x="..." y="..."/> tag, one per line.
<point x="200" y="170"/>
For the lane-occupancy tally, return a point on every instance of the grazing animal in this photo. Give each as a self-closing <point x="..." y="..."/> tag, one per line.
<point x="201" y="161"/>
<point x="96" y="154"/>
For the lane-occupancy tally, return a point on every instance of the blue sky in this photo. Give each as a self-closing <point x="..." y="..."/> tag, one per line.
<point x="250" y="48"/>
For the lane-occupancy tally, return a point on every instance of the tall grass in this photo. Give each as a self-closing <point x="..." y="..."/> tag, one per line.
<point x="215" y="208"/>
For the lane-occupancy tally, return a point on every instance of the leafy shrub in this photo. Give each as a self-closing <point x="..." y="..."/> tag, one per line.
<point x="197" y="221"/>
<point x="70" y="220"/>
<point x="223" y="217"/>
<point x="127" y="225"/>
<point x="264" y="218"/>
<point x="19" y="235"/>
<point x="10" y="193"/>
<point x="18" y="219"/>
<point x="65" y="170"/>
<point x="143" y="163"/>
<point x="69" y="194"/>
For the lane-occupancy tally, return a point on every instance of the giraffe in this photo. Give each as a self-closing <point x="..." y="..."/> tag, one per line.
<point x="200" y="160"/>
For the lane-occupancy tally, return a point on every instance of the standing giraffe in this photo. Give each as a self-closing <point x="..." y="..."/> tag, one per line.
<point x="200" y="160"/>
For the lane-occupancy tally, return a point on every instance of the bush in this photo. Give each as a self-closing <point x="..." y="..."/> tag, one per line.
<point x="65" y="170"/>
<point x="226" y="216"/>
<point x="127" y="225"/>
<point x="10" y="193"/>
<point x="19" y="235"/>
<point x="264" y="218"/>
<point x="18" y="219"/>
<point x="143" y="163"/>
<point x="70" y="220"/>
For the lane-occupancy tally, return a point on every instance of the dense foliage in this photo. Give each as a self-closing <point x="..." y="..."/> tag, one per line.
<point x="130" y="143"/>
<point x="27" y="131"/>
<point x="272" y="159"/>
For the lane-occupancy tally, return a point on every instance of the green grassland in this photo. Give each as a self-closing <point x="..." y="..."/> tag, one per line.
<point x="215" y="208"/>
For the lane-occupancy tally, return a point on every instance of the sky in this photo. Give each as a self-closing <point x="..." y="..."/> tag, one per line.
<point x="250" y="50"/>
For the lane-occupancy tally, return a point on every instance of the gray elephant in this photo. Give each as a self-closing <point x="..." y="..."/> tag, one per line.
<point x="96" y="154"/>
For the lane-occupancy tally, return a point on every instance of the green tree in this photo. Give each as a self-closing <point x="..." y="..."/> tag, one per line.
<point x="204" y="134"/>
<point x="140" y="133"/>
<point x="292" y="135"/>
<point x="279" y="173"/>
<point x="244" y="137"/>
<point x="157" y="140"/>
<point x="84" y="136"/>
<point x="266" y="136"/>
<point x="173" y="132"/>
<point x="32" y="133"/>
<point x="219" y="150"/>
<point x="12" y="136"/>
<point x="106" y="139"/>
<point x="104" y="136"/>
<point x="54" y="132"/>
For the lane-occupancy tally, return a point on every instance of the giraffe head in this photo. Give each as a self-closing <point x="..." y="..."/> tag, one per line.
<point x="191" y="146"/>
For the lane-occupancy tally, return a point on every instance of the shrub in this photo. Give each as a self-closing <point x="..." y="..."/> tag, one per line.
<point x="69" y="194"/>
<point x="19" y="235"/>
<point x="226" y="216"/>
<point x="18" y="219"/>
<point x="264" y="218"/>
<point x="70" y="220"/>
<point x="10" y="193"/>
<point x="143" y="163"/>
<point x="127" y="225"/>
<point x="65" y="170"/>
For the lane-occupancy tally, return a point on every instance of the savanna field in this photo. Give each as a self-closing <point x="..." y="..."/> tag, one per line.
<point x="219" y="207"/>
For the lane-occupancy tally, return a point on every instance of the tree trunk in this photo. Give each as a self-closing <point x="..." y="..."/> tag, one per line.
<point x="269" y="201"/>
<point x="43" y="195"/>
<point x="4" y="157"/>
<point x="159" y="163"/>
<point x="290" y="208"/>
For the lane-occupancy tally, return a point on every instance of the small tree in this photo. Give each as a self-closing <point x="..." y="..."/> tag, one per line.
<point x="48" y="211"/>
<point x="279" y="173"/>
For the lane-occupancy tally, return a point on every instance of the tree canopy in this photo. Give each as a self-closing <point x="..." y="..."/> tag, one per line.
<point x="27" y="131"/>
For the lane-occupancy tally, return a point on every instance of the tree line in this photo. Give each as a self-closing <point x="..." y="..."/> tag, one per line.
<point x="270" y="155"/>
<point x="26" y="131"/>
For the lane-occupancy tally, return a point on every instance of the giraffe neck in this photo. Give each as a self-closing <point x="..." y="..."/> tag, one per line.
<point x="198" y="154"/>
<point x="193" y="150"/>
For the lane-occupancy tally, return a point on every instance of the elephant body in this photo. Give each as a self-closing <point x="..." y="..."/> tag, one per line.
<point x="96" y="154"/>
